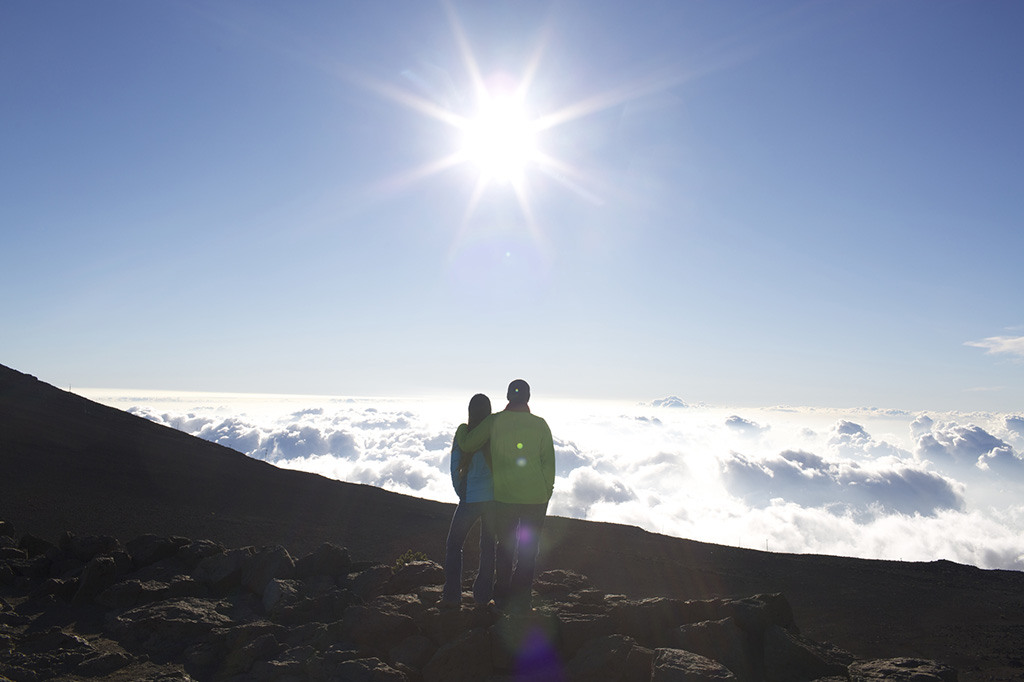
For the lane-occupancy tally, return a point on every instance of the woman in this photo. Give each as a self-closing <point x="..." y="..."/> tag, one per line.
<point x="471" y="476"/>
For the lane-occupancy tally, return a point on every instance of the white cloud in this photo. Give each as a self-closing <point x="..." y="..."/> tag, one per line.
<point x="955" y="444"/>
<point x="745" y="426"/>
<point x="842" y="486"/>
<point x="850" y="439"/>
<point x="867" y="482"/>
<point x="670" y="401"/>
<point x="1009" y="345"/>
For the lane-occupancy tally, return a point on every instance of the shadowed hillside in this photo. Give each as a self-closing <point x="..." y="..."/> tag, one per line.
<point x="68" y="464"/>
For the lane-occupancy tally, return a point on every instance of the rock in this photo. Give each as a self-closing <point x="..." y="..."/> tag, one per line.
<point x="368" y="670"/>
<point x="413" y="652"/>
<point x="123" y="595"/>
<point x="466" y="659"/>
<point x="146" y="550"/>
<point x="901" y="670"/>
<point x="375" y="630"/>
<point x="36" y="546"/>
<point x="309" y="621"/>
<point x="603" y="659"/>
<point x="12" y="553"/>
<point x="369" y="582"/>
<point x="86" y="547"/>
<point x="280" y="593"/>
<point x="327" y="559"/>
<point x="527" y="643"/>
<point x="723" y="641"/>
<point x="756" y="614"/>
<point x="99" y="574"/>
<point x="223" y="572"/>
<point x="265" y="565"/>
<point x="576" y="629"/>
<point x="168" y="627"/>
<point x="414" y="575"/>
<point x="676" y="665"/>
<point x="789" y="657"/>
<point x="192" y="553"/>
<point x="326" y="608"/>
<point x="651" y="621"/>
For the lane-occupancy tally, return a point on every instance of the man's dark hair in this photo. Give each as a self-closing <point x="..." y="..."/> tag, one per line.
<point x="519" y="392"/>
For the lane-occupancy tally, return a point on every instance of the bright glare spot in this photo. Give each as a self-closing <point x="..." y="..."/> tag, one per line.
<point x="521" y="461"/>
<point x="501" y="139"/>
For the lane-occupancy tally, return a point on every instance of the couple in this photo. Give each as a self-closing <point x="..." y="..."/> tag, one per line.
<point x="503" y="468"/>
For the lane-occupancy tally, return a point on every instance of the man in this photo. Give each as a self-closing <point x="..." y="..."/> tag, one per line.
<point x="523" y="466"/>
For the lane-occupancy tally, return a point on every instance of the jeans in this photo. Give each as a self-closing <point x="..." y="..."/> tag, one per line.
<point x="467" y="514"/>
<point x="518" y="528"/>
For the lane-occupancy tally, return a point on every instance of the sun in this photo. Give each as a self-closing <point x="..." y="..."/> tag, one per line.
<point x="501" y="139"/>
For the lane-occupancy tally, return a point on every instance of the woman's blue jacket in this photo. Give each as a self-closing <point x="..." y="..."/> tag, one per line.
<point x="479" y="484"/>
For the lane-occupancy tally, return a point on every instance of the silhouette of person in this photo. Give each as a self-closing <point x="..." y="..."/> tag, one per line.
<point x="523" y="467"/>
<point x="471" y="477"/>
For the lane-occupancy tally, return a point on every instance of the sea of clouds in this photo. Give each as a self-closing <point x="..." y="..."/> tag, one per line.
<point x="865" y="482"/>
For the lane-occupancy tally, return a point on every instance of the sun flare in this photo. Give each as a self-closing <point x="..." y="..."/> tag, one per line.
<point x="500" y="139"/>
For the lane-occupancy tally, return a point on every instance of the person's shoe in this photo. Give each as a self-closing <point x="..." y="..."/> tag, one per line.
<point x="449" y="604"/>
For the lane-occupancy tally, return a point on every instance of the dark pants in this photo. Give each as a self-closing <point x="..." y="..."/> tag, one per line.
<point x="466" y="514"/>
<point x="517" y="529"/>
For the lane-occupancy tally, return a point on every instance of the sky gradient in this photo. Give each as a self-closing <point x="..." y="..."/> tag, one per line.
<point x="741" y="203"/>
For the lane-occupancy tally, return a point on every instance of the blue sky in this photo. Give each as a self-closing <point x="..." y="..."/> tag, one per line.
<point x="754" y="203"/>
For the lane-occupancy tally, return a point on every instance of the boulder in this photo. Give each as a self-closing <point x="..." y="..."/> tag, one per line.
<point x="99" y="574"/>
<point x="146" y="550"/>
<point x="603" y="659"/>
<point x="192" y="553"/>
<point x="466" y="659"/>
<point x="901" y="670"/>
<point x="791" y="658"/>
<point x="169" y="627"/>
<point x="413" y="652"/>
<point x="36" y="546"/>
<point x="222" y="572"/>
<point x="412" y="576"/>
<point x="676" y="665"/>
<point x="367" y="670"/>
<point x="376" y="630"/>
<point x="369" y="582"/>
<point x="723" y="641"/>
<point x="265" y="565"/>
<point x="327" y="559"/>
<point x="86" y="547"/>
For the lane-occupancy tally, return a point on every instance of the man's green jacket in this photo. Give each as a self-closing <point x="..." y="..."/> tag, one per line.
<point x="522" y="455"/>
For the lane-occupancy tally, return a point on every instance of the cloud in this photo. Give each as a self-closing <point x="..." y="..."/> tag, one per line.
<point x="1009" y="345"/>
<point x="1014" y="424"/>
<point x="745" y="426"/>
<point x="812" y="481"/>
<point x="920" y="426"/>
<point x="954" y="444"/>
<point x="850" y="439"/>
<point x="583" y="488"/>
<point x="867" y="482"/>
<point x="670" y="401"/>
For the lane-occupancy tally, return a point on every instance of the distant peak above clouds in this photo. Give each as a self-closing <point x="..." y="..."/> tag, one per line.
<point x="674" y="401"/>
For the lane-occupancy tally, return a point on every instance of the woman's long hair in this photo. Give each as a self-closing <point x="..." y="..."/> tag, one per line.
<point x="479" y="409"/>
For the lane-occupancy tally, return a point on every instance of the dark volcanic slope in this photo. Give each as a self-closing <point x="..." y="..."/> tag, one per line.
<point x="67" y="463"/>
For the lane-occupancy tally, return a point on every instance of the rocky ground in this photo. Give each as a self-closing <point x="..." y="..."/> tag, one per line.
<point x="159" y="608"/>
<point x="70" y="465"/>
